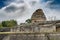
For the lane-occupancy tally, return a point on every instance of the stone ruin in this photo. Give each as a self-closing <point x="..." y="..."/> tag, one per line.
<point x="38" y="25"/>
<point x="38" y="16"/>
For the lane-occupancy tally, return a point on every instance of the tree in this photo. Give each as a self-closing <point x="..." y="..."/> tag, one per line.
<point x="28" y="20"/>
<point x="14" y="22"/>
<point x="10" y="23"/>
<point x="1" y="25"/>
<point x="4" y="23"/>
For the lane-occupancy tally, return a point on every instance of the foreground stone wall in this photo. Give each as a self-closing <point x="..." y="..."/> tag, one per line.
<point x="5" y="29"/>
<point x="27" y="37"/>
<point x="33" y="37"/>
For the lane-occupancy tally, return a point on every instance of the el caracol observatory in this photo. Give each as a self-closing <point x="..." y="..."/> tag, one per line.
<point x="38" y="16"/>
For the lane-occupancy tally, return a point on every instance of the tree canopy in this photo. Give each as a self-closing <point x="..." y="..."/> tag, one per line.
<point x="9" y="23"/>
<point x="28" y="20"/>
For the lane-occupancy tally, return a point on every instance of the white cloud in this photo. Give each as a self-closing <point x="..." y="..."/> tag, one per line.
<point x="51" y="12"/>
<point x="15" y="10"/>
<point x="23" y="9"/>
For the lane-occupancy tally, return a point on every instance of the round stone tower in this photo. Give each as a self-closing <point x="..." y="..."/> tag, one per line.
<point x="38" y="16"/>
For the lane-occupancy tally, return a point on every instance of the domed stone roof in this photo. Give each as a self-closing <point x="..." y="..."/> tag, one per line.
<point x="38" y="15"/>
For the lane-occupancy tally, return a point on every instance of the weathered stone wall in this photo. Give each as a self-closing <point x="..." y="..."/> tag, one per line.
<point x="5" y="29"/>
<point x="35" y="28"/>
<point x="49" y="36"/>
<point x="27" y="37"/>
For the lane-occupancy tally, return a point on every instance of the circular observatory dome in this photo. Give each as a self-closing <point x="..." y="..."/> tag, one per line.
<point x="38" y="16"/>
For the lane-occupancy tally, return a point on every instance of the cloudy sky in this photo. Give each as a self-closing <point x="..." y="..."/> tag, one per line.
<point x="21" y="10"/>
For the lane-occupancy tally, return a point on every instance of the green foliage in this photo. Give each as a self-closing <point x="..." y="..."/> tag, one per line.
<point x="1" y="25"/>
<point x="28" y="20"/>
<point x="10" y="23"/>
<point x="4" y="23"/>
